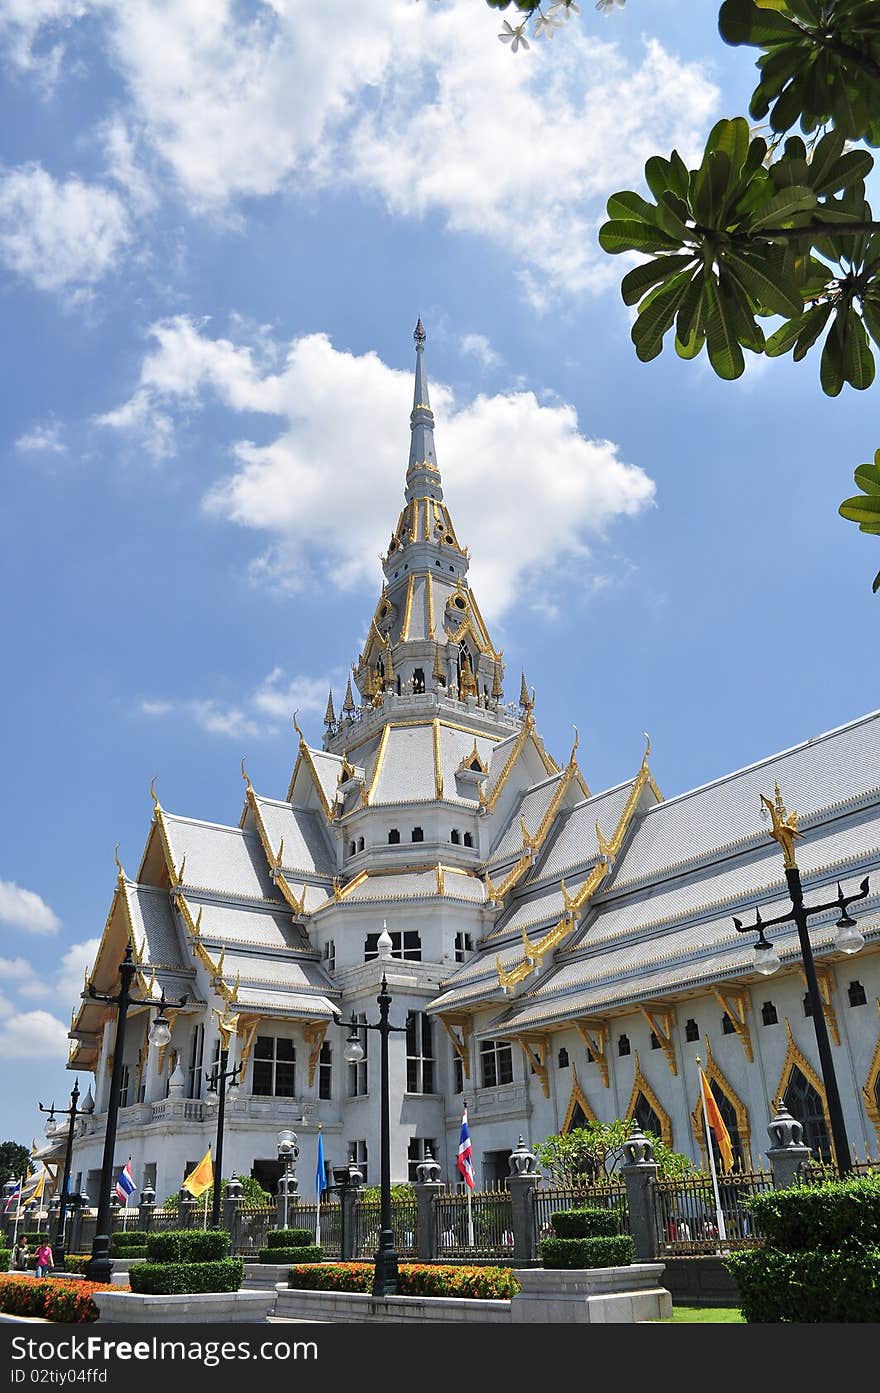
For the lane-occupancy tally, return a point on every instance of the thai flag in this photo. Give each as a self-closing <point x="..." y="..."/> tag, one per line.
<point x="125" y="1183"/>
<point x="465" y="1153"/>
<point x="14" y="1197"/>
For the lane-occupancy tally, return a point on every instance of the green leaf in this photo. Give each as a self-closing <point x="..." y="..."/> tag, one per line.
<point x="762" y="278"/>
<point x="672" y="215"/>
<point x="622" y="235"/>
<point x="656" y="316"/>
<point x="641" y="278"/>
<point x="818" y="317"/>
<point x="871" y="316"/>
<point x="784" y="206"/>
<point x="690" y="311"/>
<point x="826" y="153"/>
<point x="788" y="107"/>
<point x="741" y="22"/>
<point x="657" y="175"/>
<point x="722" y="344"/>
<point x="831" y="374"/>
<point x="710" y="187"/>
<point x="628" y="205"/>
<point x="858" y="360"/>
<point x="742" y="315"/>
<point x="860" y="509"/>
<point x="850" y="169"/>
<point x="867" y="476"/>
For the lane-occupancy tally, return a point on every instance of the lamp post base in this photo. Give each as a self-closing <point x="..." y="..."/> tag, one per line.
<point x="99" y="1268"/>
<point x="385" y="1273"/>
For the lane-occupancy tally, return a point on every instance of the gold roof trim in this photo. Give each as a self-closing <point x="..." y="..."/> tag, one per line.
<point x="871" y="1089"/>
<point x="305" y="756"/>
<point x="438" y="760"/>
<point x="577" y="1098"/>
<point x="795" y="1058"/>
<point x="407" y="613"/>
<point x="641" y="1085"/>
<point x="429" y="602"/>
<point x="368" y="792"/>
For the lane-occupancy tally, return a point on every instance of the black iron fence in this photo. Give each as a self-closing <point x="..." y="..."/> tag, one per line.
<point x="550" y="1199"/>
<point x="687" y="1215"/>
<point x="404" y="1226"/>
<point x="479" y="1225"/>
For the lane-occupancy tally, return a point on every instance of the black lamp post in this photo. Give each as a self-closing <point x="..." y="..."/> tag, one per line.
<point x="217" y="1079"/>
<point x="784" y="829"/>
<point x="99" y="1268"/>
<point x="52" y="1131"/>
<point x="385" y="1271"/>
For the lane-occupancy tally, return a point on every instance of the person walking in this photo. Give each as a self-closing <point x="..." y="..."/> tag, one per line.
<point x="44" y="1260"/>
<point x="21" y="1258"/>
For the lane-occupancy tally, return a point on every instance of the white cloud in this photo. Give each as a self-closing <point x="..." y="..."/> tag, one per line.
<point x="24" y="909"/>
<point x="76" y="961"/>
<point x="60" y="235"/>
<point x="410" y="102"/>
<point x="42" y="439"/>
<point x="262" y="712"/>
<point x="33" y="1035"/>
<point x="479" y="347"/>
<point x="19" y="973"/>
<point x="324" y="492"/>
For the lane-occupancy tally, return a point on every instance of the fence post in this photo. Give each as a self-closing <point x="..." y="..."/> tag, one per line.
<point x="522" y="1182"/>
<point x="231" y="1210"/>
<point x="349" y="1198"/>
<point x="146" y="1209"/>
<point x="185" y="1205"/>
<point x="640" y="1175"/>
<point x="788" y="1155"/>
<point x="427" y="1187"/>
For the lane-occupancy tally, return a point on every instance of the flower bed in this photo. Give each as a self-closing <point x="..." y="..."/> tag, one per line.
<point x="52" y="1298"/>
<point x="413" y="1279"/>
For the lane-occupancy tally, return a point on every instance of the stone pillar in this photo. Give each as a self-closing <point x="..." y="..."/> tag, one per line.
<point x="787" y="1154"/>
<point x="185" y="1206"/>
<point x="427" y="1187"/>
<point x="348" y="1197"/>
<point x="522" y="1180"/>
<point x="231" y="1208"/>
<point x="288" y="1185"/>
<point x="146" y="1208"/>
<point x="639" y="1174"/>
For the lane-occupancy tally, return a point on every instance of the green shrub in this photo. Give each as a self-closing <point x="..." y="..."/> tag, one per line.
<point x="585" y="1223"/>
<point x="306" y="1252"/>
<point x="831" y="1215"/>
<point x="172" y="1278"/>
<point x="188" y="1245"/>
<point x="289" y="1238"/>
<point x="413" y="1279"/>
<point x="124" y="1244"/>
<point x="808" y="1286"/>
<point x="50" y="1298"/>
<point x="5" y="1259"/>
<point x="587" y="1252"/>
<point x="76" y="1262"/>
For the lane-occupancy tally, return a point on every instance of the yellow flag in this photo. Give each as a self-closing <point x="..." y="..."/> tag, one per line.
<point x="716" y="1122"/>
<point x="202" y="1178"/>
<point x="33" y="1187"/>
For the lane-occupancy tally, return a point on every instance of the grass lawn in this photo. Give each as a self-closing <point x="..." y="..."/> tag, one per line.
<point x="706" y="1315"/>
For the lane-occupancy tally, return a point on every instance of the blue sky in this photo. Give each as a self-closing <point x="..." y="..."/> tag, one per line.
<point x="218" y="225"/>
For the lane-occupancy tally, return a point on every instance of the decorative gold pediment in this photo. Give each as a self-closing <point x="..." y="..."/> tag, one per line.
<point x="641" y="1085"/>
<point x="871" y="1089"/>
<point x="795" y="1058"/>
<point x="576" y="1099"/>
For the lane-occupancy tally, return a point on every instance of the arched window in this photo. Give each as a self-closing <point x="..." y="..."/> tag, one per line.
<point x="417" y="835"/>
<point x="352" y="848"/>
<point x="655" y="1043"/>
<point x="455" y="836"/>
<point x="380" y="667"/>
<point x="808" y="1005"/>
<point x="623" y="1047"/>
<point x="856" y="994"/>
<point x="398" y="685"/>
<point x="804" y="1103"/>
<point x="727" y="1025"/>
<point x="360" y="843"/>
<point x="768" y="1014"/>
<point x="563" y="1059"/>
<point x="691" y="1031"/>
<point x="731" y="1122"/>
<point x="394" y="837"/>
<point x="468" y="839"/>
<point x="646" y="1117"/>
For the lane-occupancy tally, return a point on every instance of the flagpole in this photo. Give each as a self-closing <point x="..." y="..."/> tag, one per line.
<point x="205" y="1214"/>
<point x="17" y="1214"/>
<point x="722" y="1232"/>
<point x="470" y="1218"/>
<point x="320" y="1192"/>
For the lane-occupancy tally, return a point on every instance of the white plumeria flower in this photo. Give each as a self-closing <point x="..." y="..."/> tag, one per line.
<point x="568" y="8"/>
<point x="606" y="6"/>
<point x="515" y="37"/>
<point x="545" y="25"/>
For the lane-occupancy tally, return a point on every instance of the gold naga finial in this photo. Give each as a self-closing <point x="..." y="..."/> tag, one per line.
<point x="647" y="747"/>
<point x="567" y="899"/>
<point x="153" y="794"/>
<point x="296" y="726"/>
<point x="577" y="741"/>
<point x="197" y="926"/>
<point x="244" y="773"/>
<point x="221" y="960"/>
<point x="120" y="873"/>
<point x="181" y="869"/>
<point x="226" y="1024"/>
<point x="527" y="839"/>
<point x="279" y="859"/>
<point x="784" y="826"/>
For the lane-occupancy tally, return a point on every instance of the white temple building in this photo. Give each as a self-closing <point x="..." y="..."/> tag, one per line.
<point x="559" y="953"/>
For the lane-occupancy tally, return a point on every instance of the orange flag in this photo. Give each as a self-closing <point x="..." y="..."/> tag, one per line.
<point x="202" y="1178"/>
<point x="716" y="1122"/>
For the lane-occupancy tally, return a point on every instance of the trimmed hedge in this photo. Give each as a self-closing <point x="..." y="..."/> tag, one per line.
<point x="187" y="1245"/>
<point x="306" y="1252"/>
<point x="51" y="1298"/>
<point x="587" y="1252"/>
<point x="122" y="1245"/>
<point x="808" y="1286"/>
<point x="585" y="1223"/>
<point x="289" y="1238"/>
<point x="820" y="1260"/>
<point x="5" y="1258"/>
<point x="413" y="1279"/>
<point x="173" y="1278"/>
<point x="820" y="1216"/>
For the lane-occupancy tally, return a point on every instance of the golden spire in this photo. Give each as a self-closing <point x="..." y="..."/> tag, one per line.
<point x="526" y="702"/>
<point x="784" y="827"/>
<point x="330" y="714"/>
<point x="348" y="703"/>
<point x="497" y="689"/>
<point x="468" y="683"/>
<point x="439" y="669"/>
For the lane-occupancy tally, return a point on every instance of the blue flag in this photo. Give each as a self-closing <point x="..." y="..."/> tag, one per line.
<point x="320" y="1174"/>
